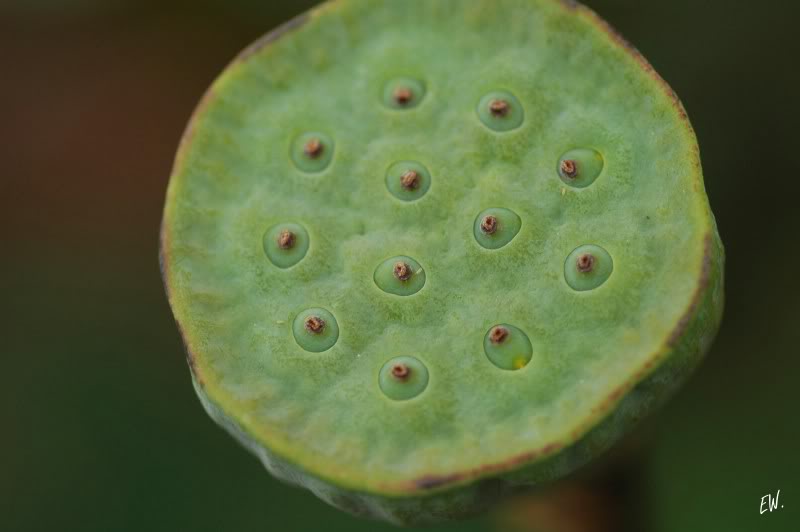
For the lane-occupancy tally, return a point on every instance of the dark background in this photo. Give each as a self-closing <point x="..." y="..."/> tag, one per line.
<point x="101" y="430"/>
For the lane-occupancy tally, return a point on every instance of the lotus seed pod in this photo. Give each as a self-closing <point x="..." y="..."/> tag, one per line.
<point x="402" y="351"/>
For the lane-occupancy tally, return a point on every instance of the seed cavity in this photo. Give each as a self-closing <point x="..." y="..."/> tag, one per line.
<point x="315" y="324"/>
<point x="500" y="111"/>
<point x="585" y="263"/>
<point x="499" y="108"/>
<point x="507" y="347"/>
<point x="315" y="330"/>
<point x="489" y="224"/>
<point x="401" y="371"/>
<point x="587" y="267"/>
<point x="403" y="378"/>
<point x="312" y="152"/>
<point x="408" y="180"/>
<point x="403" y="93"/>
<point x="286" y="239"/>
<point x="400" y="276"/>
<point x="402" y="271"/>
<point x="313" y="148"/>
<point x="495" y="228"/>
<point x="498" y="334"/>
<point x="569" y="168"/>
<point x="580" y="167"/>
<point x="285" y="244"/>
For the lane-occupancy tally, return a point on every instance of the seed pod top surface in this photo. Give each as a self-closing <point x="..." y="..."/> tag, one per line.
<point x="531" y="110"/>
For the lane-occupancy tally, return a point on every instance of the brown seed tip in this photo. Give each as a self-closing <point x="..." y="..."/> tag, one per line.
<point x="410" y="180"/>
<point x="585" y="263"/>
<point x="315" y="324"/>
<point x="402" y="271"/>
<point x="489" y="225"/>
<point x="499" y="108"/>
<point x="403" y="95"/>
<point x="401" y="371"/>
<point x="498" y="335"/>
<point x="286" y="239"/>
<point x="569" y="168"/>
<point x="313" y="148"/>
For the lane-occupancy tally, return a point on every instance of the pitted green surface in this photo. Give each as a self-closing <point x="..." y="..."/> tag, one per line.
<point x="235" y="178"/>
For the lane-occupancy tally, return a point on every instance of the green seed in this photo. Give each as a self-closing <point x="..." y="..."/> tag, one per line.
<point x="401" y="276"/>
<point x="501" y="111"/>
<point x="507" y="347"/>
<point x="587" y="267"/>
<point x="312" y="152"/>
<point x="403" y="93"/>
<point x="285" y="244"/>
<point x="580" y="167"/>
<point x="408" y="180"/>
<point x="315" y="330"/>
<point x="495" y="228"/>
<point x="403" y="378"/>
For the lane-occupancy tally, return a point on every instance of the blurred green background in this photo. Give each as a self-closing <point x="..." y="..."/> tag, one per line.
<point x="101" y="430"/>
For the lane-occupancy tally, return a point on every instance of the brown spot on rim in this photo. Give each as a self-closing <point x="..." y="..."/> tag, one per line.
<point x="489" y="224"/>
<point x="286" y="239"/>
<point x="410" y="180"/>
<point x="403" y="95"/>
<point x="569" y="168"/>
<point x="401" y="371"/>
<point x="402" y="271"/>
<point x="314" y="324"/>
<point x="585" y="263"/>
<point x="498" y="334"/>
<point x="313" y="148"/>
<point x="499" y="107"/>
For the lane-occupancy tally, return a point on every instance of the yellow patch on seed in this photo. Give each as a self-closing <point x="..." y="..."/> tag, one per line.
<point x="518" y="363"/>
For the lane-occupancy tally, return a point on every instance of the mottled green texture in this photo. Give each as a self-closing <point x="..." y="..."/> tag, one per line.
<point x="601" y="359"/>
<point x="292" y="250"/>
<point x="505" y="224"/>
<point x="403" y="378"/>
<point x="587" y="267"/>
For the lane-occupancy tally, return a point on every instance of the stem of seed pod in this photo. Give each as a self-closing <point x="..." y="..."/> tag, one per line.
<point x="489" y="224"/>
<point x="286" y="239"/>
<point x="313" y="148"/>
<point x="569" y="168"/>
<point x="315" y="324"/>
<point x="499" y="108"/>
<point x="401" y="371"/>
<point x="498" y="335"/>
<point x="585" y="263"/>
<point x="402" y="271"/>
